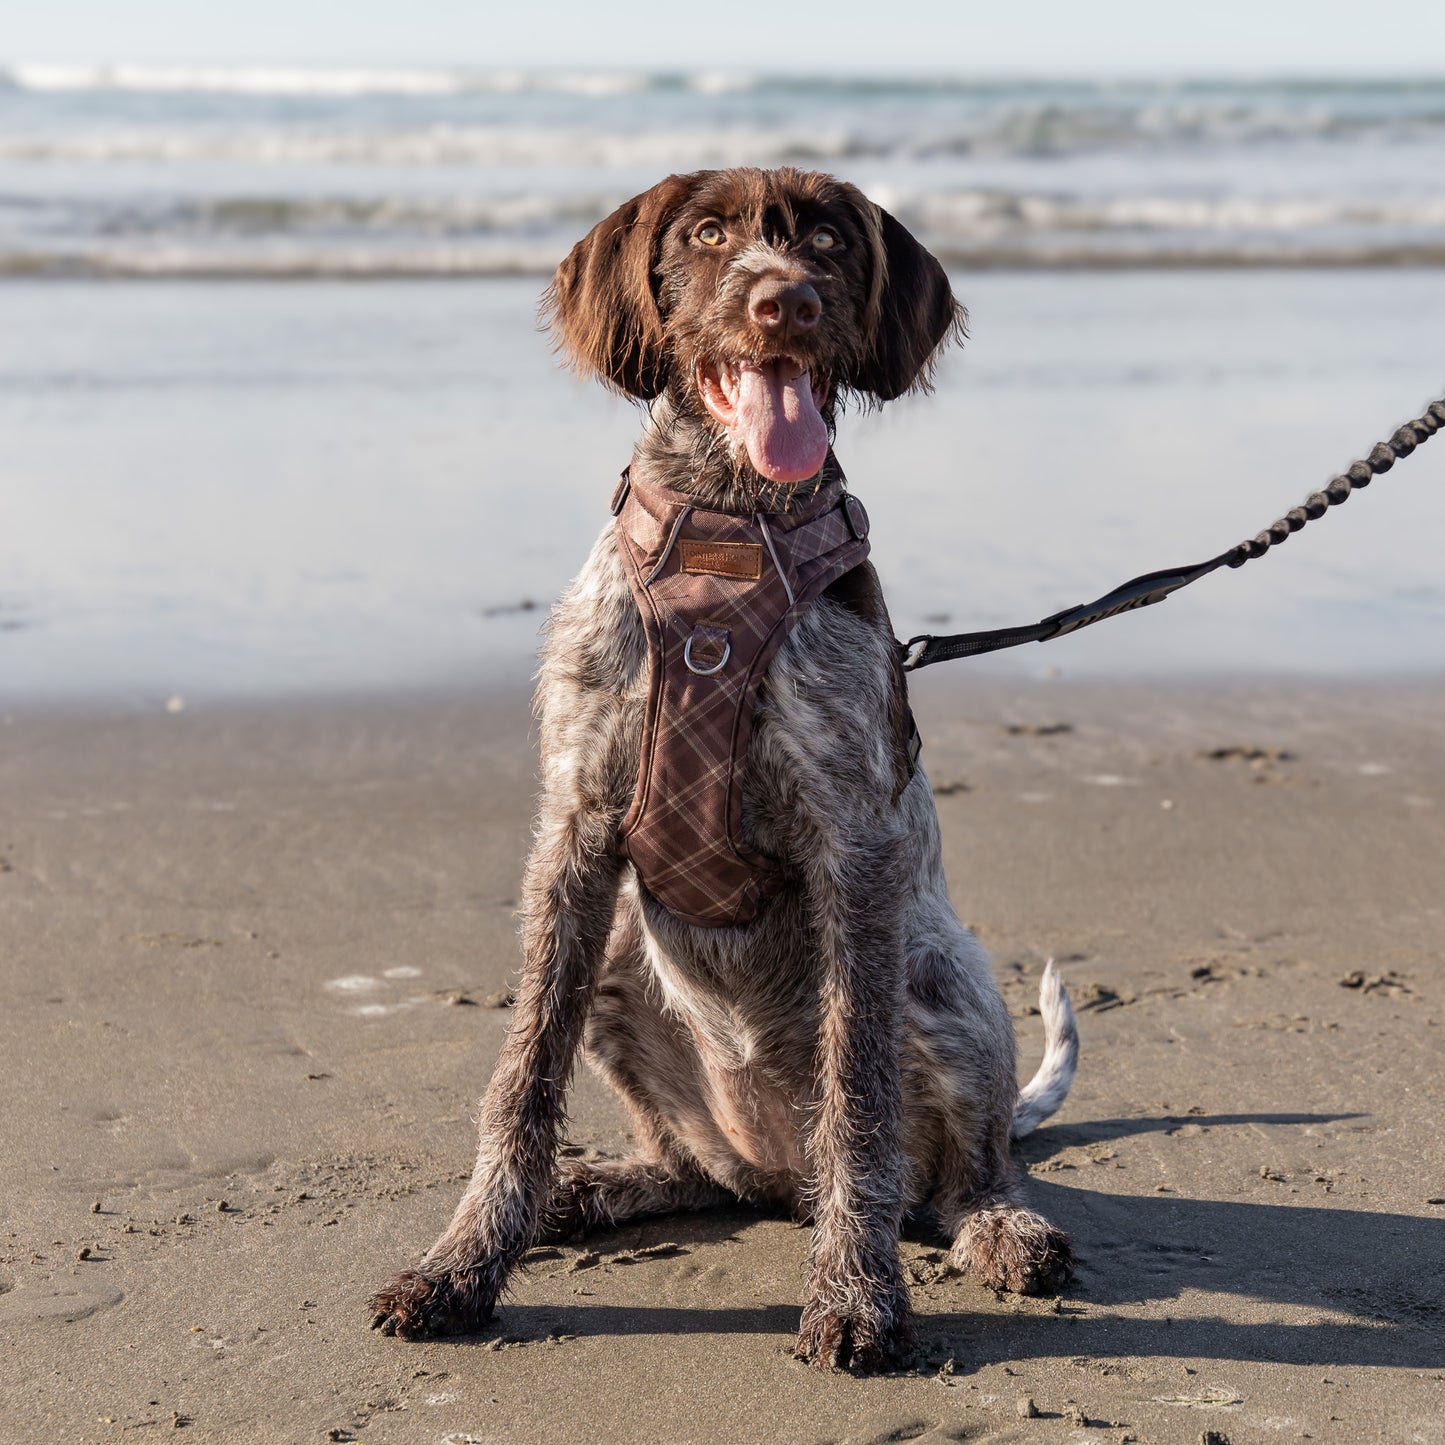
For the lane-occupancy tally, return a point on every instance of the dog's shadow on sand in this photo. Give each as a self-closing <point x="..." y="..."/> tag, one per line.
<point x="1318" y="1285"/>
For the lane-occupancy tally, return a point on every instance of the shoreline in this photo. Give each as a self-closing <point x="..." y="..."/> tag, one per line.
<point x="505" y="681"/>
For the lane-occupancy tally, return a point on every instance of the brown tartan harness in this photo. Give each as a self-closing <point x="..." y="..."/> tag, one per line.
<point x="718" y="593"/>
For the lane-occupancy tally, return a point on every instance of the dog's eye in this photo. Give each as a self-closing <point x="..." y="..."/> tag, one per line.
<point x="711" y="234"/>
<point x="824" y="240"/>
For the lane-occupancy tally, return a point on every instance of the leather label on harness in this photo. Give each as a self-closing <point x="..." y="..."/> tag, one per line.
<point x="721" y="559"/>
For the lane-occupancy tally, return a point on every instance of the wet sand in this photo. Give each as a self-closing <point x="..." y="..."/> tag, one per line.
<point x="251" y="964"/>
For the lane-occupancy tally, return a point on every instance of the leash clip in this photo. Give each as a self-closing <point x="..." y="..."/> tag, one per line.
<point x="914" y="649"/>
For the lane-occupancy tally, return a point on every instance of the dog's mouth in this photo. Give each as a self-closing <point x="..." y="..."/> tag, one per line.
<point x="772" y="408"/>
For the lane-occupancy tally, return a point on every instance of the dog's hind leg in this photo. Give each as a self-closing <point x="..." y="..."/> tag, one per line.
<point x="592" y="1195"/>
<point x="960" y="1054"/>
<point x="1008" y="1246"/>
<point x="979" y="1202"/>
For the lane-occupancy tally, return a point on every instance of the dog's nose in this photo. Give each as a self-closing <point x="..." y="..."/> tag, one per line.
<point x="784" y="308"/>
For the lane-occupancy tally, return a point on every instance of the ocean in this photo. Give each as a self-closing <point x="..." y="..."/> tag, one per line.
<point x="1191" y="303"/>
<point x="132" y="170"/>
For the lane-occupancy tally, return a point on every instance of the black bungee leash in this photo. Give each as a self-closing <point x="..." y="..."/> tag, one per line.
<point x="925" y="649"/>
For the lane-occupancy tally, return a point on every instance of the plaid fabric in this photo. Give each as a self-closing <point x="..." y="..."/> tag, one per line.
<point x="684" y="831"/>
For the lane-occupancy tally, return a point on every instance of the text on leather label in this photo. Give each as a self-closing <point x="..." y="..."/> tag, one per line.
<point x="722" y="559"/>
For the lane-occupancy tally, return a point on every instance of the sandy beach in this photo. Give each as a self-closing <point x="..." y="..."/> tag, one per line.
<point x="254" y="969"/>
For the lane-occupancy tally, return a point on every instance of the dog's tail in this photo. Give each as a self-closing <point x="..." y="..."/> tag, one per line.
<point x="1048" y="1088"/>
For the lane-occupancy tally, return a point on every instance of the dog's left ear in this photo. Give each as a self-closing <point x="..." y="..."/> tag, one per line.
<point x="911" y="309"/>
<point x="603" y="300"/>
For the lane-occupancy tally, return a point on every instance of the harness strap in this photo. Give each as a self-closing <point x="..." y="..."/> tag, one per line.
<point x="926" y="649"/>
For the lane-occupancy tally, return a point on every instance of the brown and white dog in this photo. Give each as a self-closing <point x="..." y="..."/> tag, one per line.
<point x="846" y="1054"/>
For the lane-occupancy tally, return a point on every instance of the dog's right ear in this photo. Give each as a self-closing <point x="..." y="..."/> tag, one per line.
<point x="602" y="302"/>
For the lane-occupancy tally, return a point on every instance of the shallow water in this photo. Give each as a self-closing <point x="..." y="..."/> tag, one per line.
<point x="270" y="488"/>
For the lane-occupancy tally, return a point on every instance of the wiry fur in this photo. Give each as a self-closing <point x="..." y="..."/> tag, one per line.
<point x="846" y="1055"/>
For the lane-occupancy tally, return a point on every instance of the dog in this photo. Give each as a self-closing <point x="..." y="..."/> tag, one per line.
<point x="844" y="1053"/>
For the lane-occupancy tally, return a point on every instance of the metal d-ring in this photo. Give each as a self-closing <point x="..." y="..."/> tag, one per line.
<point x="705" y="671"/>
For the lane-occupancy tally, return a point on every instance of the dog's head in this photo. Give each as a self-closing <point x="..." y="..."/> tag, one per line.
<point x="754" y="298"/>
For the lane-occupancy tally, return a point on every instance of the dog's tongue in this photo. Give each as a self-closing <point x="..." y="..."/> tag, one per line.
<point x="779" y="423"/>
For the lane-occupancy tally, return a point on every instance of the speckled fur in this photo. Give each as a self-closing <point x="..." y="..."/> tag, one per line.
<point x="846" y="1055"/>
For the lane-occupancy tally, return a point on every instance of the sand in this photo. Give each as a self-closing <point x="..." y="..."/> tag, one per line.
<point x="251" y="958"/>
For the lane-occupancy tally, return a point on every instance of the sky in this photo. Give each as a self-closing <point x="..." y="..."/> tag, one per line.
<point x="1020" y="37"/>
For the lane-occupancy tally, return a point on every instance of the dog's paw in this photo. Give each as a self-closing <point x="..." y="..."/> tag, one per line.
<point x="863" y="1341"/>
<point x="416" y="1305"/>
<point x="1015" y="1249"/>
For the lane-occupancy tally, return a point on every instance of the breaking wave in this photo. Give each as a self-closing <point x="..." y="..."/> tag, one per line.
<point x="1021" y="133"/>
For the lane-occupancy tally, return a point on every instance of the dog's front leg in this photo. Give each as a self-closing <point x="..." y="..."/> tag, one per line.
<point x="858" y="1309"/>
<point x="570" y="894"/>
